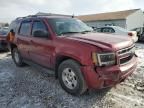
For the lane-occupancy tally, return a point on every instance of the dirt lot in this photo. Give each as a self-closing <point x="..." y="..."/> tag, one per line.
<point x="30" y="87"/>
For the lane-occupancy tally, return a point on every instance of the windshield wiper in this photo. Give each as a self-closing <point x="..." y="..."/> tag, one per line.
<point x="83" y="32"/>
<point x="68" y="33"/>
<point x="86" y="31"/>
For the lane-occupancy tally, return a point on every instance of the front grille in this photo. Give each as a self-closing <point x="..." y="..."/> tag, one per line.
<point x="125" y="60"/>
<point x="125" y="55"/>
<point x="127" y="50"/>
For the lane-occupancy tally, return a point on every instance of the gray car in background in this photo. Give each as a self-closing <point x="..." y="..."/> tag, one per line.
<point x="116" y="30"/>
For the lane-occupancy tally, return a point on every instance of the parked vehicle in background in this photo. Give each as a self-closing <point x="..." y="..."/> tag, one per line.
<point x="94" y="28"/>
<point x="118" y="31"/>
<point x="140" y="33"/>
<point x="5" y="28"/>
<point x="3" y="40"/>
<point x="80" y="58"/>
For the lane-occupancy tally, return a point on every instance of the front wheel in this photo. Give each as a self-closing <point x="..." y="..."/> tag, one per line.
<point x="71" y="78"/>
<point x="17" y="57"/>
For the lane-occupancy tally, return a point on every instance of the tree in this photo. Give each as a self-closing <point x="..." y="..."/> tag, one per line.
<point x="6" y="24"/>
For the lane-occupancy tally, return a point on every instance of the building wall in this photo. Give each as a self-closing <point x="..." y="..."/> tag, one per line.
<point x="135" y="20"/>
<point x="121" y="23"/>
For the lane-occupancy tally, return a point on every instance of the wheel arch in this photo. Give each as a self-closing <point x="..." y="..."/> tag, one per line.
<point x="60" y="59"/>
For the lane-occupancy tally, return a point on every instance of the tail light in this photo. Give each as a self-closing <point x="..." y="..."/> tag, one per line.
<point x="130" y="34"/>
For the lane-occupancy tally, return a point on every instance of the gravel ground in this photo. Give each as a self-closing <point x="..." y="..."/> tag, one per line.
<point x="31" y="87"/>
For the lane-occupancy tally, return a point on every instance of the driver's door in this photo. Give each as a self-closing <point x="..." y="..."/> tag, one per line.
<point x="41" y="46"/>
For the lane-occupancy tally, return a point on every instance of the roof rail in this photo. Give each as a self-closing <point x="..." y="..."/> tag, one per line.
<point x="50" y="14"/>
<point x="22" y="17"/>
<point x="19" y="18"/>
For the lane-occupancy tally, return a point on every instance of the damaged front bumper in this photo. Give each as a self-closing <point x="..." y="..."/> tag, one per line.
<point x="103" y="77"/>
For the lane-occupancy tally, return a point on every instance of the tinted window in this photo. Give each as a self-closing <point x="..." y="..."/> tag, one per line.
<point x="14" y="26"/>
<point x="104" y="30"/>
<point x="111" y="30"/>
<point x="25" y="28"/>
<point x="38" y="25"/>
<point x="108" y="30"/>
<point x="98" y="29"/>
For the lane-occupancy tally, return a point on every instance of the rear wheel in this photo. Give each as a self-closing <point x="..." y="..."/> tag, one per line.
<point x="17" y="57"/>
<point x="71" y="78"/>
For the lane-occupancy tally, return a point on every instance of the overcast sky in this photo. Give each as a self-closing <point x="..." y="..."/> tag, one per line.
<point x="10" y="9"/>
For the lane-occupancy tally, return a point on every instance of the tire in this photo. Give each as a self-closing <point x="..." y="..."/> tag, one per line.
<point x="71" y="78"/>
<point x="17" y="58"/>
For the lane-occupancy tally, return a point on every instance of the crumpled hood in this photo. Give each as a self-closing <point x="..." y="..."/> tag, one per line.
<point x="101" y="40"/>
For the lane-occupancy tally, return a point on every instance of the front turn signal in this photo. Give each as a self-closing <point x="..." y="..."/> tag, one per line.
<point x="94" y="58"/>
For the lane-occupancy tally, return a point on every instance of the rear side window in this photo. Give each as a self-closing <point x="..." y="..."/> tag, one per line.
<point x="14" y="26"/>
<point x="25" y="28"/>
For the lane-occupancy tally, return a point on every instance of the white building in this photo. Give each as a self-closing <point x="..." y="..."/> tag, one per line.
<point x="128" y="19"/>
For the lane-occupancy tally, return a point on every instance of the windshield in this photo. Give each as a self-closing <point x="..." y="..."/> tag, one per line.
<point x="68" y="25"/>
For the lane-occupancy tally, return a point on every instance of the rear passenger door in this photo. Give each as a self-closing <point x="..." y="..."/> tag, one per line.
<point x="41" y="44"/>
<point x="23" y="38"/>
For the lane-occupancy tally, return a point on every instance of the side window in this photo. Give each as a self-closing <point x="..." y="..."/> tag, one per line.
<point x="98" y="30"/>
<point x="101" y="30"/>
<point x="25" y="28"/>
<point x="104" y="30"/>
<point x="40" y="29"/>
<point x="108" y="30"/>
<point x="14" y="26"/>
<point x="111" y="30"/>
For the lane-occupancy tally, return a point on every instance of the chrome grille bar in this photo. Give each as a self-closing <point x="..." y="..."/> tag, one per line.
<point x="126" y="51"/>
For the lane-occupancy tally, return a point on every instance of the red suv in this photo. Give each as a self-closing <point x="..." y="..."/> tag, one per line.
<point x="80" y="58"/>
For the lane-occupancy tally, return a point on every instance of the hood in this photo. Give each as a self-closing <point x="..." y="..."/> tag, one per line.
<point x="106" y="41"/>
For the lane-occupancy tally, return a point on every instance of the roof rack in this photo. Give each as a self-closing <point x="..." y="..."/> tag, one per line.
<point x="44" y="15"/>
<point x="22" y="17"/>
<point x="51" y="14"/>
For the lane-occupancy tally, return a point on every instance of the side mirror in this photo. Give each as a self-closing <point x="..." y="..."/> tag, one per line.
<point x="41" y="34"/>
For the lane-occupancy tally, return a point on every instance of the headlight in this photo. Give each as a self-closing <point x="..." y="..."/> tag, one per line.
<point x="104" y="59"/>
